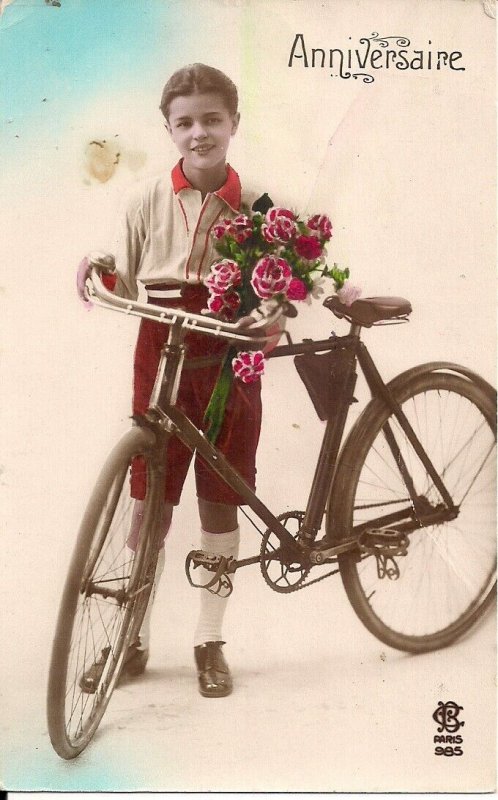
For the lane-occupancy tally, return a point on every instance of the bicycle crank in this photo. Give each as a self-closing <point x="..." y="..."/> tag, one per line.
<point x="280" y="569"/>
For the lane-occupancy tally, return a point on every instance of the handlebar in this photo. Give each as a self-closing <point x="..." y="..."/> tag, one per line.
<point x="232" y="331"/>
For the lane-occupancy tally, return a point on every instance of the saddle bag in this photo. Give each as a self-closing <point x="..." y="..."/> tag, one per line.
<point x="329" y="378"/>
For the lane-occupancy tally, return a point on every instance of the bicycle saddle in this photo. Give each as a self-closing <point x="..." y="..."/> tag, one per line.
<point x="368" y="310"/>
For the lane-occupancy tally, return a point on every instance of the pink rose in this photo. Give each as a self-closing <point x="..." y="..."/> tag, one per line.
<point x="224" y="306"/>
<point x="279" y="225"/>
<point x="221" y="228"/>
<point x="241" y="228"/>
<point x="276" y="213"/>
<point x="270" y="276"/>
<point x="308" y="247"/>
<point x="297" y="290"/>
<point x="348" y="294"/>
<point x="224" y="275"/>
<point x="322" y="224"/>
<point x="249" y="365"/>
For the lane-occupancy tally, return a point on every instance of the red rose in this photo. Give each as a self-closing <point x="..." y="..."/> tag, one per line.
<point x="225" y="305"/>
<point x="308" y="247"/>
<point x="297" y="290"/>
<point x="322" y="224"/>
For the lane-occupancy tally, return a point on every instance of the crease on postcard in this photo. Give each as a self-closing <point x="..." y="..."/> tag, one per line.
<point x="489" y="7"/>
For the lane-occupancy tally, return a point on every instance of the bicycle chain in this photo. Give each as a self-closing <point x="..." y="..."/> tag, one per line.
<point x="316" y="580"/>
<point x="304" y="585"/>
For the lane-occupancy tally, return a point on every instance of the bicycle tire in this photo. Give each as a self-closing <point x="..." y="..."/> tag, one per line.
<point x="90" y="623"/>
<point x="447" y="579"/>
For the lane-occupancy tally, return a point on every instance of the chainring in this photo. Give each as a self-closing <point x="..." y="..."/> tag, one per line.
<point x="280" y="571"/>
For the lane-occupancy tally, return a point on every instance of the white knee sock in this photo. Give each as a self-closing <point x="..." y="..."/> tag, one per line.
<point x="212" y="607"/>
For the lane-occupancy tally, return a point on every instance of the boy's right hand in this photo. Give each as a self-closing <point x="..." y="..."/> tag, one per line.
<point x="273" y="331"/>
<point x="82" y="274"/>
<point x="106" y="265"/>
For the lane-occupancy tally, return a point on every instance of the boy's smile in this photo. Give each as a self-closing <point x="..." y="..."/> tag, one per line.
<point x="201" y="127"/>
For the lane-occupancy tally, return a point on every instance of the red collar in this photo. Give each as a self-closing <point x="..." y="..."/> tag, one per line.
<point x="230" y="192"/>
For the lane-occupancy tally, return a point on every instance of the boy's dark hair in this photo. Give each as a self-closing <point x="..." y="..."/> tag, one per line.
<point x="199" y="78"/>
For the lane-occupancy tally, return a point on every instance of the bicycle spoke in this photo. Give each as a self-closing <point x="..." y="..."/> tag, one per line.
<point x="449" y="570"/>
<point x="104" y="599"/>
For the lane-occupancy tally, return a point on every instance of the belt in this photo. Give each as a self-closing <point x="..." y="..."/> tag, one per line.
<point x="165" y="291"/>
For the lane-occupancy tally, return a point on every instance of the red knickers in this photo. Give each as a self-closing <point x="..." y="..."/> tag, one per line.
<point x="239" y="435"/>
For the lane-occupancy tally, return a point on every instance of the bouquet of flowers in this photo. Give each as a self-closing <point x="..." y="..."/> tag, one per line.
<point x="268" y="258"/>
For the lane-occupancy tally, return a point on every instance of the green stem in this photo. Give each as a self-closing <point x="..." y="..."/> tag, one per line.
<point x="215" y="410"/>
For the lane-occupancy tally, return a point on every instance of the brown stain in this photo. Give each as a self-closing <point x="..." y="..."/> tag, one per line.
<point x="103" y="156"/>
<point x="134" y="159"/>
<point x="101" y="159"/>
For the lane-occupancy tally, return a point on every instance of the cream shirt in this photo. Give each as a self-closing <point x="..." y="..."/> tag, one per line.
<point x="165" y="232"/>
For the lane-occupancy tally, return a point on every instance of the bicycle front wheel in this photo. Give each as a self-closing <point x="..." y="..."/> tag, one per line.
<point x="104" y="598"/>
<point x="427" y="598"/>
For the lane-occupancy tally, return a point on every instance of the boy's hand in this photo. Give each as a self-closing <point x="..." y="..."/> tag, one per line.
<point x="245" y="322"/>
<point x="106" y="265"/>
<point x="81" y="278"/>
<point x="274" y="331"/>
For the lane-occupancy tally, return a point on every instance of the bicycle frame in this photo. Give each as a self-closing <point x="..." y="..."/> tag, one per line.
<point x="173" y="421"/>
<point x="164" y="415"/>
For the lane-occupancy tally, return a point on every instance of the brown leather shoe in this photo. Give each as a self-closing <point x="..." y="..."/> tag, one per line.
<point x="134" y="665"/>
<point x="212" y="670"/>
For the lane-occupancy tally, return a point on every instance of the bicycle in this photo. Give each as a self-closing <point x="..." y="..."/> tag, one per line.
<point x="407" y="498"/>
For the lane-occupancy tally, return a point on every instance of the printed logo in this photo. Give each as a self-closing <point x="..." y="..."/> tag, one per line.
<point x="446" y="717"/>
<point x="446" y="714"/>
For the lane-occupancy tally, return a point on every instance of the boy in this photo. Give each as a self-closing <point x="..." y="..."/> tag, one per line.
<point x="165" y="244"/>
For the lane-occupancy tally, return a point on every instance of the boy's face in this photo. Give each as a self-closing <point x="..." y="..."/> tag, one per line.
<point x="201" y="127"/>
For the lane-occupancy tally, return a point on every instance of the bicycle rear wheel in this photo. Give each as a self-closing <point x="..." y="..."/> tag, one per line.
<point x="105" y="597"/>
<point x="426" y="599"/>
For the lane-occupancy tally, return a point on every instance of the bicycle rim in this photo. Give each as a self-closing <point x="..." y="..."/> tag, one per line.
<point x="447" y="578"/>
<point x="104" y="599"/>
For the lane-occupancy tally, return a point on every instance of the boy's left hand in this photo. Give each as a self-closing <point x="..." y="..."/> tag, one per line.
<point x="274" y="331"/>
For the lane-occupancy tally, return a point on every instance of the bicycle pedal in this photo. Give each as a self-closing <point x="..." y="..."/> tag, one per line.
<point x="223" y="587"/>
<point x="383" y="541"/>
<point x="220" y="583"/>
<point x="210" y="561"/>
